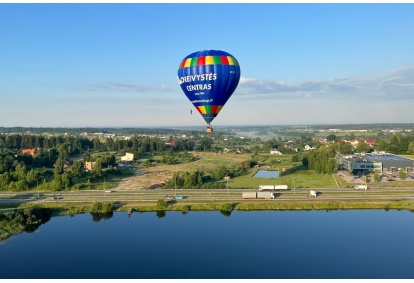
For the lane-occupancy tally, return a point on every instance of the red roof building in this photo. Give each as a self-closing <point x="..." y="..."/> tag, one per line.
<point x="30" y="151"/>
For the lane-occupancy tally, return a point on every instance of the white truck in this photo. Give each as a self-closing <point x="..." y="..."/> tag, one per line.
<point x="313" y="194"/>
<point x="361" y="187"/>
<point x="263" y="188"/>
<point x="258" y="195"/>
<point x="281" y="188"/>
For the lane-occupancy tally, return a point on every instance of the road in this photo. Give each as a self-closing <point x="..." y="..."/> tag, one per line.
<point x="201" y="195"/>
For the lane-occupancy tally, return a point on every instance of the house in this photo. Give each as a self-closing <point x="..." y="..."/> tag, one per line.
<point x="89" y="165"/>
<point x="370" y="142"/>
<point x="30" y="151"/>
<point x="275" y="151"/>
<point x="307" y="147"/>
<point x="128" y="157"/>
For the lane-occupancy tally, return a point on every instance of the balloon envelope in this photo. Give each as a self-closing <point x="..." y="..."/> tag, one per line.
<point x="208" y="79"/>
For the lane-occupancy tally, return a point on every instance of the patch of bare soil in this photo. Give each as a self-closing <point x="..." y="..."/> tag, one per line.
<point x="150" y="178"/>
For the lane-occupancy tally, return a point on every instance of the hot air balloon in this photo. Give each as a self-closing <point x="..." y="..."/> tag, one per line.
<point x="208" y="78"/>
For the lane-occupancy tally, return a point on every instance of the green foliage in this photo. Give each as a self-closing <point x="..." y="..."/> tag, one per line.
<point x="411" y="148"/>
<point x="161" y="204"/>
<point x="106" y="207"/>
<point x="96" y="207"/>
<point x="402" y="174"/>
<point x="322" y="160"/>
<point x="331" y="137"/>
<point x="99" y="207"/>
<point x="377" y="177"/>
<point x="28" y="219"/>
<point x="297" y="158"/>
<point x="226" y="207"/>
<point x="344" y="147"/>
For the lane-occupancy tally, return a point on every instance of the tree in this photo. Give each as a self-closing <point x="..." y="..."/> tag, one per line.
<point x="161" y="204"/>
<point x="76" y="168"/>
<point x="97" y="169"/>
<point x="58" y="167"/>
<point x="57" y="183"/>
<point x="410" y="148"/>
<point x="66" y="180"/>
<point x="362" y="146"/>
<point x="345" y="147"/>
<point x="206" y="143"/>
<point x="20" y="171"/>
<point x="402" y="174"/>
<point x="331" y="137"/>
<point x="97" y="143"/>
<point x="31" y="176"/>
<point x="377" y="177"/>
<point x="220" y="172"/>
<point x="87" y="156"/>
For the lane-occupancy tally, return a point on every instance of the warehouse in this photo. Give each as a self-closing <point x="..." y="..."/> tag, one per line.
<point x="374" y="162"/>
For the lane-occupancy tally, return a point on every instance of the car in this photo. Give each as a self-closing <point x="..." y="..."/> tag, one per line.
<point x="179" y="197"/>
<point x="108" y="191"/>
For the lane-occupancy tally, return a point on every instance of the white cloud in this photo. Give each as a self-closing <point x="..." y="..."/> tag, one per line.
<point x="396" y="84"/>
<point x="117" y="87"/>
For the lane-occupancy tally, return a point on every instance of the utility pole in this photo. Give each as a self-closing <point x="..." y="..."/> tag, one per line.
<point x="294" y="187"/>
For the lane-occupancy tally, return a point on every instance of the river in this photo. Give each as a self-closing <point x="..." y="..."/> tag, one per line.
<point x="339" y="244"/>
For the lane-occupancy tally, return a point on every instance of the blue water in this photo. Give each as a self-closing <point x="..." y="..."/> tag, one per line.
<point x="266" y="174"/>
<point x="352" y="244"/>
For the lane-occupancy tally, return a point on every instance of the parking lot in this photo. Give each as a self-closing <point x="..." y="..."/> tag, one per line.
<point x="385" y="178"/>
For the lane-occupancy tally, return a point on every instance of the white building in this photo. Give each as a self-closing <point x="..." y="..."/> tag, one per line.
<point x="307" y="147"/>
<point x="128" y="157"/>
<point x="275" y="151"/>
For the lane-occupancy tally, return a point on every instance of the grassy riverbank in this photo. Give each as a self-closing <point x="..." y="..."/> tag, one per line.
<point x="70" y="208"/>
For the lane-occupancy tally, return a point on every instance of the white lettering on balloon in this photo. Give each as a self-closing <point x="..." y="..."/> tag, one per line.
<point x="200" y="78"/>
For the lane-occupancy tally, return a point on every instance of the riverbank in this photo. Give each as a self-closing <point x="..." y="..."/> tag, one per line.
<point x="71" y="208"/>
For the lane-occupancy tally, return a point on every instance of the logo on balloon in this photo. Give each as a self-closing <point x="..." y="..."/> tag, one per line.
<point x="214" y="74"/>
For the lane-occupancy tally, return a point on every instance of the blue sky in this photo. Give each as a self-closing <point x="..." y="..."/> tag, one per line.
<point x="115" y="65"/>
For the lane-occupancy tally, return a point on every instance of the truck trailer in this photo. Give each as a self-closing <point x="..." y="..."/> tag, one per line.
<point x="361" y="187"/>
<point x="258" y="195"/>
<point x="263" y="188"/>
<point x="281" y="188"/>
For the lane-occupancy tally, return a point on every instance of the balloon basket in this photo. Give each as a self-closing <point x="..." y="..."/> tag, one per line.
<point x="209" y="129"/>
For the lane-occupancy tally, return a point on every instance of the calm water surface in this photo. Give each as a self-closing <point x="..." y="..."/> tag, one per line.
<point x="266" y="174"/>
<point x="208" y="245"/>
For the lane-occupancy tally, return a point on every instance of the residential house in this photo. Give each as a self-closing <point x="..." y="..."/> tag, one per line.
<point x="128" y="157"/>
<point x="89" y="165"/>
<point x="275" y="151"/>
<point x="30" y="151"/>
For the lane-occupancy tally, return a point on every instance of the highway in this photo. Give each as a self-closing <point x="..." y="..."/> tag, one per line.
<point x="202" y="195"/>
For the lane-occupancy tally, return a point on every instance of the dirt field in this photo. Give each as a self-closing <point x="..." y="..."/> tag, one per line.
<point x="148" y="179"/>
<point x="154" y="177"/>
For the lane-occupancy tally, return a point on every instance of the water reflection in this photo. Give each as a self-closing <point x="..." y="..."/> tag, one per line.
<point x="230" y="244"/>
<point x="96" y="217"/>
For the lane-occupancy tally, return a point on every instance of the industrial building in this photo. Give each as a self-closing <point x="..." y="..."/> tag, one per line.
<point x="374" y="162"/>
